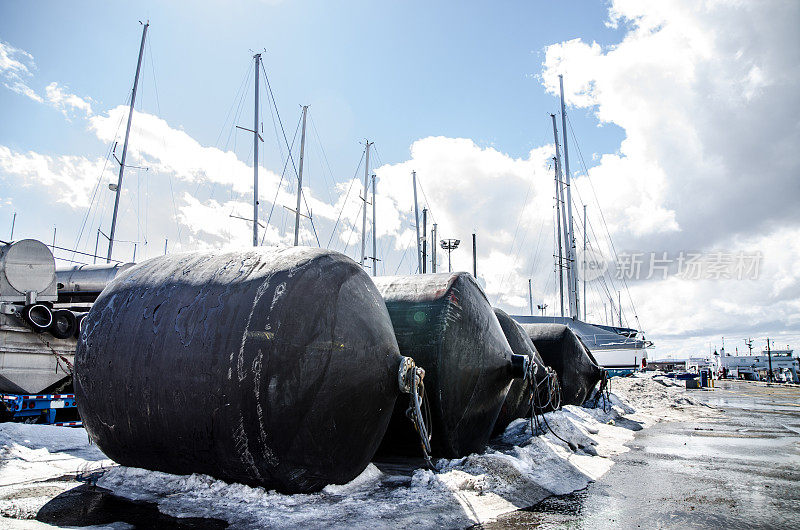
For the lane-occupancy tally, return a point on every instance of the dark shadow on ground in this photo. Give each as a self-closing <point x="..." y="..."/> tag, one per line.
<point x="86" y="505"/>
<point x="625" y="423"/>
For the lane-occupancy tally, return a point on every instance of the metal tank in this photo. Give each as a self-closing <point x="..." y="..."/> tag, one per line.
<point x="27" y="272"/>
<point x="562" y="350"/>
<point x="31" y="362"/>
<point x="84" y="283"/>
<point x="445" y="322"/>
<point x="270" y="367"/>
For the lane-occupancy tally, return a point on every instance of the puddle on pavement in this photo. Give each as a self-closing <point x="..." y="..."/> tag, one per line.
<point x="86" y="505"/>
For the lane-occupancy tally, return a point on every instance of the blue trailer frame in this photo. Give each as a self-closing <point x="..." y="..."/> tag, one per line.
<point x="39" y="408"/>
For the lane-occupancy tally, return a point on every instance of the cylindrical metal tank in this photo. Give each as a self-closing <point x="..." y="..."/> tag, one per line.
<point x="445" y="322"/>
<point x="27" y="272"/>
<point x="271" y="367"/>
<point x="562" y="350"/>
<point x="518" y="400"/>
<point x="84" y="283"/>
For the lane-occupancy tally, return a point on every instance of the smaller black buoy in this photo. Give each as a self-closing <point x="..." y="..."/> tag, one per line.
<point x="562" y="350"/>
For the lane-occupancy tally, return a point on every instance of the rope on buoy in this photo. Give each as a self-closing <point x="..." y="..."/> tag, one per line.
<point x="411" y="382"/>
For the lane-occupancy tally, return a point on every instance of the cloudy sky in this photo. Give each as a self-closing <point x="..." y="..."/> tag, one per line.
<point x="684" y="122"/>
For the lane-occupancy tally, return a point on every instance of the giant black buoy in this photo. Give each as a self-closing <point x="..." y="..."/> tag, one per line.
<point x="519" y="398"/>
<point x="276" y="368"/>
<point x="561" y="349"/>
<point x="445" y="322"/>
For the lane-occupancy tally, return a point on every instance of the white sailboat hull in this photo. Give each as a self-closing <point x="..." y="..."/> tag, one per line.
<point x="622" y="359"/>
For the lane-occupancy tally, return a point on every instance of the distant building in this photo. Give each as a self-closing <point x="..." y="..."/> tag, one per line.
<point x="667" y="365"/>
<point x="755" y="367"/>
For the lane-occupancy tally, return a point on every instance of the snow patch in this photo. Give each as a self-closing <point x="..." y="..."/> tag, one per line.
<point x="518" y="470"/>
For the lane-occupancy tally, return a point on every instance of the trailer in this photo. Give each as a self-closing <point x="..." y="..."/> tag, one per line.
<point x="48" y="409"/>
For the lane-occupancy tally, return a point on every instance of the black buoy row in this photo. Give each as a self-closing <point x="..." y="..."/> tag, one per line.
<point x="282" y="368"/>
<point x="445" y="322"/>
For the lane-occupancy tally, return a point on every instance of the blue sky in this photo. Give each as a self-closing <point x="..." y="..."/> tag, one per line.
<point x="674" y="105"/>
<point x="394" y="72"/>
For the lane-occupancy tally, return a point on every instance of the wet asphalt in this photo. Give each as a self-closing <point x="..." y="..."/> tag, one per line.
<point x="738" y="468"/>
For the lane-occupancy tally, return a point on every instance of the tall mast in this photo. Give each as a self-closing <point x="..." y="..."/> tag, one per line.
<point x="530" y="295"/>
<point x="257" y="58"/>
<point x="374" y="233"/>
<point x="364" y="217"/>
<point x="433" y="248"/>
<point x="300" y="179"/>
<point x="424" y="240"/>
<point x="474" y="257"/>
<point x="416" y="222"/>
<point x="611" y="303"/>
<point x="584" y="262"/>
<point x="562" y="220"/>
<point x="559" y="263"/>
<point x="619" y="307"/>
<point x="570" y="243"/>
<point x="125" y="146"/>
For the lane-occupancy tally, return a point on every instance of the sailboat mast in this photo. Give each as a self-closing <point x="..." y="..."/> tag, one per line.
<point x="300" y="179"/>
<point x="257" y="58"/>
<point x="561" y="214"/>
<point x="374" y="233"/>
<point x="125" y="146"/>
<point x="559" y="263"/>
<point x="570" y="243"/>
<point x="416" y="222"/>
<point x="364" y="217"/>
<point x="424" y="240"/>
<point x="433" y="248"/>
<point x="530" y="295"/>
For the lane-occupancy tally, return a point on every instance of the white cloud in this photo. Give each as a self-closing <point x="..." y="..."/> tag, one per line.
<point x="471" y="188"/>
<point x="706" y="93"/>
<point x="66" y="102"/>
<point x="164" y="149"/>
<point x="66" y="179"/>
<point x="212" y="226"/>
<point x="16" y="66"/>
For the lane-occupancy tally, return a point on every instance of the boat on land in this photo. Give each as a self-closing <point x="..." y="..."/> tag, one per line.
<point x="618" y="350"/>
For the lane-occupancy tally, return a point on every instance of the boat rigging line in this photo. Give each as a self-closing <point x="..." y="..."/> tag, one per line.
<point x="605" y="224"/>
<point x="344" y="203"/>
<point x="283" y="131"/>
<point x="278" y="189"/>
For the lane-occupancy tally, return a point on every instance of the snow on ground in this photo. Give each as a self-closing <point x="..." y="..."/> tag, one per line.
<point x="33" y="454"/>
<point x="518" y="470"/>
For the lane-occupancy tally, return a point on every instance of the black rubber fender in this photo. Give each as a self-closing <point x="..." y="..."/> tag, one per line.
<point x="269" y="367"/>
